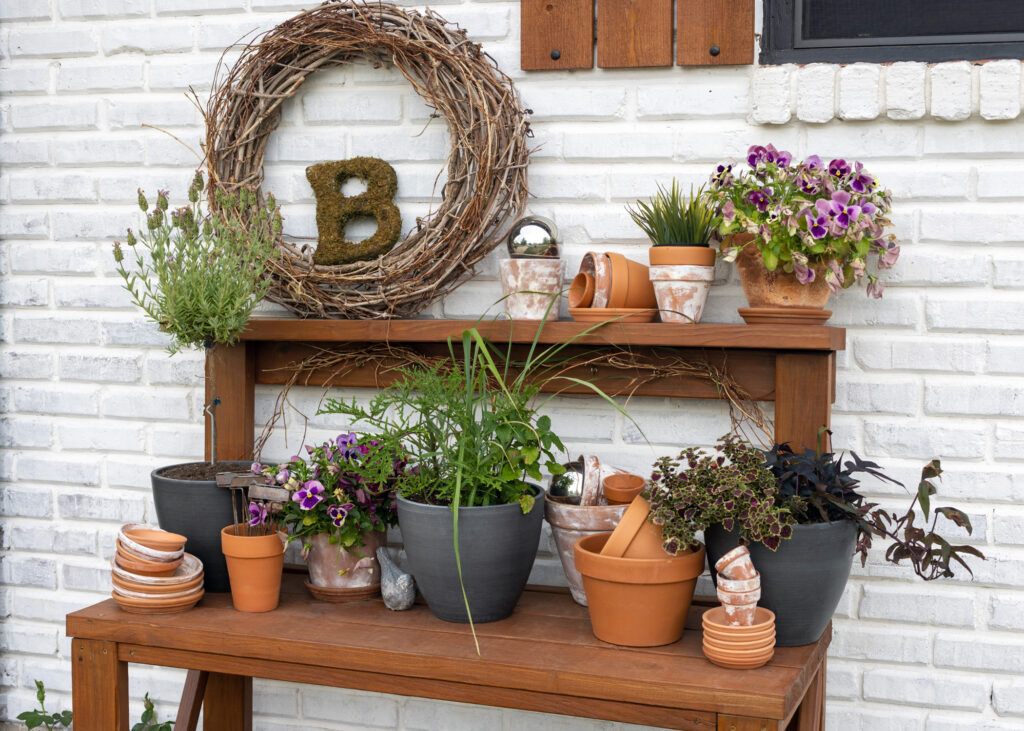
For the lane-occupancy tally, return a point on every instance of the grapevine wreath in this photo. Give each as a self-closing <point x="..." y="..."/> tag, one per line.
<point x="486" y="183"/>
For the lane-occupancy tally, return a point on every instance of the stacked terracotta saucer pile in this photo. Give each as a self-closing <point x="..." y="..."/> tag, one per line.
<point x="152" y="574"/>
<point x="738" y="634"/>
<point x="611" y="287"/>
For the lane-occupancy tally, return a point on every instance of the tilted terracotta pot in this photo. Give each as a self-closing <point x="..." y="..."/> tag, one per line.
<point x="531" y="275"/>
<point x="777" y="289"/>
<point x="332" y="566"/>
<point x="571" y="522"/>
<point x="255" y="564"/>
<point x="635" y="536"/>
<point x="637" y="602"/>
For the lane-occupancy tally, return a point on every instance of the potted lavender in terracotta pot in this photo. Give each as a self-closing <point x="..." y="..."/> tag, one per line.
<point x="342" y="502"/>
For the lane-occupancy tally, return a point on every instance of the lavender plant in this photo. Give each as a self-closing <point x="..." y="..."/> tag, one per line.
<point x="807" y="213"/>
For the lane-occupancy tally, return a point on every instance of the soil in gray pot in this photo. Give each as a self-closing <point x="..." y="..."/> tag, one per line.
<point x="197" y="509"/>
<point x="803" y="581"/>
<point x="497" y="545"/>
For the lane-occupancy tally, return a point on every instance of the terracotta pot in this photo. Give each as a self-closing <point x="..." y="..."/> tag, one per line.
<point x="620" y="489"/>
<point x="569" y="523"/>
<point x="696" y="255"/>
<point x="255" y="564"/>
<point x="635" y="536"/>
<point x="631" y="284"/>
<point x="682" y="291"/>
<point x="637" y="602"/>
<point x="344" y="568"/>
<point x="739" y="585"/>
<point x="581" y="291"/>
<point x="531" y="275"/>
<point x="597" y="266"/>
<point x="778" y="289"/>
<point x="736" y="564"/>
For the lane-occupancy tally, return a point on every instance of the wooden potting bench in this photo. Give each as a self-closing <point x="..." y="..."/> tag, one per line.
<point x="544" y="657"/>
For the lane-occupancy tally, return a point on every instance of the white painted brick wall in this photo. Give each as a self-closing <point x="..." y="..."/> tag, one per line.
<point x="92" y="403"/>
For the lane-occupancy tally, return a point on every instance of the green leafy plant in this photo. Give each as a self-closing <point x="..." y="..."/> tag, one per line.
<point x="148" y="722"/>
<point x="669" y="219"/>
<point x="40" y="717"/>
<point x="732" y="487"/>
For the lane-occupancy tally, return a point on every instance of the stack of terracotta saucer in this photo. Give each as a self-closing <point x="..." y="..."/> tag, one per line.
<point x="741" y="647"/>
<point x="152" y="574"/>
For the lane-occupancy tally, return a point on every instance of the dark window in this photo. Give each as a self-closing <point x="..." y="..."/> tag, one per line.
<point x="842" y="31"/>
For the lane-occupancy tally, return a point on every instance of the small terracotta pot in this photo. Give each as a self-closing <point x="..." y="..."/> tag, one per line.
<point x="255" y="564"/>
<point x="344" y="568"/>
<point x="682" y="291"/>
<point x="778" y="289"/>
<point x="736" y="564"/>
<point x="635" y="536"/>
<point x="519" y="276"/>
<point x="631" y="284"/>
<point x="597" y="266"/>
<point x="696" y="255"/>
<point x="739" y="606"/>
<point x="581" y="291"/>
<point x="633" y="601"/>
<point x="620" y="489"/>
<point x="569" y="523"/>
<point x="740" y="585"/>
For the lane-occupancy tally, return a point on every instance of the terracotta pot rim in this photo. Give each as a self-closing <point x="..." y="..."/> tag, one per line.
<point x="555" y="513"/>
<point x="740" y="642"/>
<point x="134" y="548"/>
<point x="175" y="541"/>
<point x="715" y="618"/>
<point x="269" y="546"/>
<point x="668" y="570"/>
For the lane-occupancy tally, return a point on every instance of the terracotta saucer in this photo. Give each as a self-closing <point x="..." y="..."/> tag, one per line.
<point x="757" y="643"/>
<point x="714" y="619"/>
<point x="161" y="589"/>
<point x="155" y="606"/>
<point x="739" y="664"/>
<point x="784" y="315"/>
<point x="131" y="548"/>
<point x="612" y="314"/>
<point x="146" y="596"/>
<point x="189" y="568"/>
<point x="144" y="567"/>
<point x="337" y="596"/>
<point x="150" y="537"/>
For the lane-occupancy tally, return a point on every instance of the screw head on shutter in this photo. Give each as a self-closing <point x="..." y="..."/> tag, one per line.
<point x="556" y="54"/>
<point x="714" y="50"/>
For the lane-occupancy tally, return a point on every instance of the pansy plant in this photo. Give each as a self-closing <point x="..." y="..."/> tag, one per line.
<point x="807" y="213"/>
<point x="344" y="487"/>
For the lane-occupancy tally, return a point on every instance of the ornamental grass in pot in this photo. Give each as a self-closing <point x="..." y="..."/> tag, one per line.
<point x="799" y="232"/>
<point x="341" y="503"/>
<point x="198" y="272"/>
<point x="682" y="261"/>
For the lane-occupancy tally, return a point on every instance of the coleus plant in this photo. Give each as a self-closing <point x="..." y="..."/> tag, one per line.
<point x="807" y="213"/>
<point x="817" y="486"/>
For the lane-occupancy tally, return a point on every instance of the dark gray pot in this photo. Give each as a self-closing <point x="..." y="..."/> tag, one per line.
<point x="497" y="545"/>
<point x="802" y="581"/>
<point x="197" y="509"/>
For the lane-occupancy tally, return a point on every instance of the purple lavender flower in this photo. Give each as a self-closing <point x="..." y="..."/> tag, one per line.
<point x="310" y="495"/>
<point x="257" y="514"/>
<point x="839" y="168"/>
<point x="759" y="199"/>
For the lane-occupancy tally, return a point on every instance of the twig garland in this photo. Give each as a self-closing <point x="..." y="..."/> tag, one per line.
<point x="486" y="185"/>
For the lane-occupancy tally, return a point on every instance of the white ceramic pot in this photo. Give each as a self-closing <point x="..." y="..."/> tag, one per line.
<point x="542" y="278"/>
<point x="682" y="291"/>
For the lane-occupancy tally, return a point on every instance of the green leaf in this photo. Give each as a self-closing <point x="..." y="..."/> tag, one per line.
<point x="924" y="490"/>
<point x="555" y="468"/>
<point x="531" y="454"/>
<point x="544" y="423"/>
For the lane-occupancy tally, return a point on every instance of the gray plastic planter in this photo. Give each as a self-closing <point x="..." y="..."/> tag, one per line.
<point x="197" y="509"/>
<point x="803" y="581"/>
<point x="497" y="545"/>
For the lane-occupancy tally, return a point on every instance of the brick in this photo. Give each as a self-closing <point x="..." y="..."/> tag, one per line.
<point x="47" y="539"/>
<point x="1008" y="270"/>
<point x="55" y="115"/>
<point x="990" y="225"/>
<point x="121" y="509"/>
<point x="896" y="603"/>
<point x="129" y="471"/>
<point x="23" y="225"/>
<point x="33" y="503"/>
<point x="101" y="294"/>
<point x="216" y="36"/>
<point x="180" y="74"/>
<point x="361" y="709"/>
<point x="816" y="93"/>
<point x="184" y="369"/>
<point x="25" y="80"/>
<point x="43" y="188"/>
<point x="199" y="7"/>
<point x="951" y="91"/>
<point x="140" y="403"/>
<point x="103" y="8"/>
<point x="51" y="42"/>
<point x="919" y="353"/>
<point x="482" y="23"/>
<point x="1009" y="442"/>
<point x="45" y="607"/>
<point x="23" y="292"/>
<point x="99" y="77"/>
<point x="999" y="82"/>
<point x="675" y="422"/>
<point x="1007" y="612"/>
<point x="890" y="395"/>
<point x="904" y="687"/>
<point x="633" y="144"/>
<point x="893" y="310"/>
<point x="969" y="652"/>
<point x="23" y="637"/>
<point x="859" y="91"/>
<point x="289" y="145"/>
<point x="772" y="95"/>
<point x="905" y="85"/>
<point x="949" y="722"/>
<point x="56" y="399"/>
<point x="169" y="113"/>
<point x="24" y="10"/>
<point x="398" y="147"/>
<point x="48" y="467"/>
<point x="325" y="107"/>
<point x="27" y="151"/>
<point x="568" y="183"/>
<point x="39" y="257"/>
<point x="696" y="94"/>
<point x="1008" y="528"/>
<point x="883" y="138"/>
<point x="991" y="399"/>
<point x="184" y="442"/>
<point x="419" y="715"/>
<point x="149" y="37"/>
<point x="860" y="642"/>
<point x="24" y="571"/>
<point x="589" y="101"/>
<point x="23" y="433"/>
<point x="18" y="364"/>
<point x="923" y="439"/>
<point x="106" y="368"/>
<point x="96" y="150"/>
<point x="85" y="578"/>
<point x="861" y="718"/>
<point x="87" y="223"/>
<point x="988" y="313"/>
<point x="103" y="436"/>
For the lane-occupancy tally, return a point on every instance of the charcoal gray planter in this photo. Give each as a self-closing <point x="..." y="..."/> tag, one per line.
<point x="802" y="581"/>
<point x="497" y="545"/>
<point x="197" y="509"/>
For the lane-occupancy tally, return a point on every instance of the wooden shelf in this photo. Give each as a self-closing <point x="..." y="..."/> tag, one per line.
<point x="757" y="337"/>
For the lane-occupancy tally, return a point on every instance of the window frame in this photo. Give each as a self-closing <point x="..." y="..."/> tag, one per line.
<point x="779" y="44"/>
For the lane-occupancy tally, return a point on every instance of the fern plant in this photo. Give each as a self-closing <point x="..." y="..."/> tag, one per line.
<point x="671" y="219"/>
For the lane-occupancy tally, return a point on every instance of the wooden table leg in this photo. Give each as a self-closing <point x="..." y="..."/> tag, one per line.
<point x="227" y="703"/>
<point x="746" y="723"/>
<point x="810" y="715"/>
<point x="99" y="686"/>
<point x="804" y="392"/>
<point x="191" y="700"/>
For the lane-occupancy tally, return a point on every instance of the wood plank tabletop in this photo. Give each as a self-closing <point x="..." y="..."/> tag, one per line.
<point x="774" y="337"/>
<point x="545" y="647"/>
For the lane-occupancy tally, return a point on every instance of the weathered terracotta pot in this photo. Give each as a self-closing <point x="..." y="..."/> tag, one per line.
<point x="736" y="565"/>
<point x="637" y="602"/>
<point x="569" y="523"/>
<point x="631" y="284"/>
<point x="701" y="256"/>
<point x="531" y="275"/>
<point x="682" y="291"/>
<point x="255" y="564"/>
<point x="635" y="536"/>
<point x="622" y="487"/>
<point x="344" y="568"/>
<point x="777" y="289"/>
<point x="597" y="266"/>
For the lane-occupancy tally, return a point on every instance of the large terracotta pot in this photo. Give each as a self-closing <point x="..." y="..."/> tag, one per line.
<point x="571" y="522"/>
<point x="637" y="602"/>
<point x="331" y="565"/>
<point x="777" y="289"/>
<point x="531" y="275"/>
<point x="255" y="564"/>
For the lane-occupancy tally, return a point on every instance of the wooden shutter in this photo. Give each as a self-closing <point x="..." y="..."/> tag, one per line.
<point x="714" y="32"/>
<point x="557" y="34"/>
<point x="633" y="33"/>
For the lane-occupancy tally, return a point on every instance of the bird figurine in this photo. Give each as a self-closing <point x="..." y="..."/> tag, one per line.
<point x="396" y="586"/>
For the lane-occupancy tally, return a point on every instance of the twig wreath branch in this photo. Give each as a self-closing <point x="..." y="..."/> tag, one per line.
<point x="486" y="185"/>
